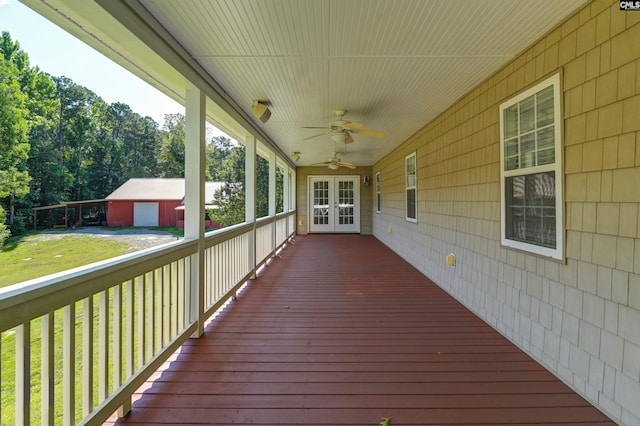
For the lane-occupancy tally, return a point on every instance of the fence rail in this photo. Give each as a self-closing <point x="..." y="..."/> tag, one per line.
<point x="85" y="339"/>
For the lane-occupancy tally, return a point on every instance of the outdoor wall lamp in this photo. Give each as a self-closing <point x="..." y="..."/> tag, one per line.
<point x="261" y="111"/>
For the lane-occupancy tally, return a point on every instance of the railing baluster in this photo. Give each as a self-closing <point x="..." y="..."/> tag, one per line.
<point x="47" y="370"/>
<point x="174" y="297"/>
<point x="117" y="336"/>
<point x="87" y="356"/>
<point x="124" y="409"/>
<point x="23" y="373"/>
<point x="158" y="278"/>
<point x="141" y="312"/>
<point x="149" y="314"/>
<point x="103" y="344"/>
<point x="167" y="305"/>
<point x="68" y="363"/>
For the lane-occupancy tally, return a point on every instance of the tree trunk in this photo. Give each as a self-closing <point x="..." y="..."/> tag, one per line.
<point x="12" y="208"/>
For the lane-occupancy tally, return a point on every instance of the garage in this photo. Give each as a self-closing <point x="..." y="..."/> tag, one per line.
<point x="145" y="214"/>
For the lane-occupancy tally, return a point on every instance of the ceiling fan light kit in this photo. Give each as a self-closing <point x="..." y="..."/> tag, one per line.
<point x="342" y="130"/>
<point x="334" y="163"/>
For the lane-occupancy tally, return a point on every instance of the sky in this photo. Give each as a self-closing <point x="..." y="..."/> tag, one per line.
<point x="56" y="52"/>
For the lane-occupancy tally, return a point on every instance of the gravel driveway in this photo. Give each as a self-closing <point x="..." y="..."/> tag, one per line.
<point x="138" y="239"/>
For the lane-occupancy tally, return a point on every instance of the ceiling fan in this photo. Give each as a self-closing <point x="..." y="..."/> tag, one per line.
<point x="341" y="129"/>
<point x="335" y="163"/>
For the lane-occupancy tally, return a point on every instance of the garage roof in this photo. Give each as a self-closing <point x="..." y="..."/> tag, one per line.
<point x="157" y="189"/>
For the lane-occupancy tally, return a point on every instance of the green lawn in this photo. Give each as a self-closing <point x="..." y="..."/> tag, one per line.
<point x="37" y="255"/>
<point x="33" y="256"/>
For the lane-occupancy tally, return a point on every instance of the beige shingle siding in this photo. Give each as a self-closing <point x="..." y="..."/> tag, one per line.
<point x="580" y="318"/>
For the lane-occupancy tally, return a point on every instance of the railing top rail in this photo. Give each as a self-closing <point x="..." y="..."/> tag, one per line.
<point x="30" y="299"/>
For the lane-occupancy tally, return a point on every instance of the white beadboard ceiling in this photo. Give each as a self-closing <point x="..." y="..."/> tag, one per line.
<point x="394" y="65"/>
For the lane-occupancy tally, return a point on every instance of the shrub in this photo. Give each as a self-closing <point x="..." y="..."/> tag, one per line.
<point x="4" y="230"/>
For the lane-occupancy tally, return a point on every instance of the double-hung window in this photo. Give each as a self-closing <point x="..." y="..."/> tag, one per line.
<point x="531" y="170"/>
<point x="410" y="179"/>
<point x="378" y="194"/>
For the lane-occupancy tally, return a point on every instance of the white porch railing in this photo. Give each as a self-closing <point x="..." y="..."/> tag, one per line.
<point x="79" y="343"/>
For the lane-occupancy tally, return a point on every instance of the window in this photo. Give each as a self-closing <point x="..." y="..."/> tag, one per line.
<point x="378" y="197"/>
<point x="531" y="172"/>
<point x="410" y="172"/>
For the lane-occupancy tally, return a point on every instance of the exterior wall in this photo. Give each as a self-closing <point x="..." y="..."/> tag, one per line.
<point x="579" y="318"/>
<point x="167" y="212"/>
<point x="366" y="195"/>
<point x="120" y="213"/>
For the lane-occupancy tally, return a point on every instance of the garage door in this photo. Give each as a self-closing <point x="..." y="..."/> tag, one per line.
<point x="145" y="214"/>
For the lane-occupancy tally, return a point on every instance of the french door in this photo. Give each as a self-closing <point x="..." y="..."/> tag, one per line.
<point x="334" y="204"/>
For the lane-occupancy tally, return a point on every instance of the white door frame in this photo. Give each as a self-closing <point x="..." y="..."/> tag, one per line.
<point x="340" y="209"/>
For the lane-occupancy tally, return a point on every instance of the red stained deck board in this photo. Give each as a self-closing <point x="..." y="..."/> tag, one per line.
<point x="341" y="331"/>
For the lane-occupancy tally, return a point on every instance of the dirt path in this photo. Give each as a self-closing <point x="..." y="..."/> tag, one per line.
<point x="138" y="239"/>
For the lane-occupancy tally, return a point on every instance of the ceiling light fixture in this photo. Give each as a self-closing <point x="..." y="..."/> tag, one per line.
<point x="295" y="155"/>
<point x="339" y="137"/>
<point x="261" y="111"/>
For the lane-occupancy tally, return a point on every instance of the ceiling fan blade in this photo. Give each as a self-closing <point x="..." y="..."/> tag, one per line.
<point x="314" y="136"/>
<point x="371" y="133"/>
<point x="347" y="165"/>
<point x="315" y="127"/>
<point x="349" y="139"/>
<point x="353" y="126"/>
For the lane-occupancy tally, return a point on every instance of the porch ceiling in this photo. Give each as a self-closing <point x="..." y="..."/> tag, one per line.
<point x="393" y="65"/>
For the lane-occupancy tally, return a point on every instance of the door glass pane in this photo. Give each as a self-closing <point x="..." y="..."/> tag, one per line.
<point x="321" y="203"/>
<point x="345" y="203"/>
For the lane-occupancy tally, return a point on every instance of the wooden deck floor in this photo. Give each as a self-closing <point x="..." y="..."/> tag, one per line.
<point x="341" y="331"/>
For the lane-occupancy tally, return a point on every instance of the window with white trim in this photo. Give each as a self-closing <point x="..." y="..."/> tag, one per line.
<point x="411" y="187"/>
<point x="531" y="170"/>
<point x="378" y="194"/>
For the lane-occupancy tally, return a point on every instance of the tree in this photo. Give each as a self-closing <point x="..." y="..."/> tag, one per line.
<point x="218" y="152"/>
<point x="231" y="197"/>
<point x="171" y="157"/>
<point x="14" y="147"/>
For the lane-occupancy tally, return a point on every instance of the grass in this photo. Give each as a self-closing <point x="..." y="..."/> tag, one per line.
<point x="37" y="255"/>
<point x="27" y="257"/>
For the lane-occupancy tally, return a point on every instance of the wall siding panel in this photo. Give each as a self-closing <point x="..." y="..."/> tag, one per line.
<point x="579" y="318"/>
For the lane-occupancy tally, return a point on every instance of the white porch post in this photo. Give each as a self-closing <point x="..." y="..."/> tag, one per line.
<point x="272" y="197"/>
<point x="250" y="196"/>
<point x="272" y="184"/>
<point x="286" y="199"/>
<point x="194" y="172"/>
